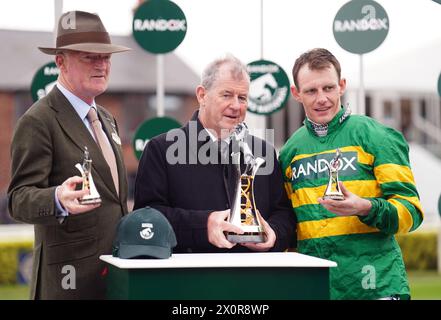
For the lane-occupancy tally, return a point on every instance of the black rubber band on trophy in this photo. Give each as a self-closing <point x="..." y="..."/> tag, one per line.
<point x="83" y="37"/>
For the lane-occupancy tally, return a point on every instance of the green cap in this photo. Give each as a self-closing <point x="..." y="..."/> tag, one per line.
<point x="144" y="233"/>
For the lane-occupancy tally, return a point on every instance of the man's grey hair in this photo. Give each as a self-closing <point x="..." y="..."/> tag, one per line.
<point x="211" y="72"/>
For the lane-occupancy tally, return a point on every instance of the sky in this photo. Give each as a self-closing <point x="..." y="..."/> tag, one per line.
<point x="216" y="27"/>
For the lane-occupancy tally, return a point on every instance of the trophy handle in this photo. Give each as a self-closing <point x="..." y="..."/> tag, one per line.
<point x="258" y="162"/>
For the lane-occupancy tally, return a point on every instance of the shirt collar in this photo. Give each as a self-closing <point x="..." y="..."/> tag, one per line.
<point x="214" y="138"/>
<point x="81" y="107"/>
<point x="334" y="124"/>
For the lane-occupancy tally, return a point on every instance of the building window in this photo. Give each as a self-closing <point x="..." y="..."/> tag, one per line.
<point x="406" y="118"/>
<point x="285" y="122"/>
<point x="368" y="106"/>
<point x="423" y="110"/>
<point x="387" y="109"/>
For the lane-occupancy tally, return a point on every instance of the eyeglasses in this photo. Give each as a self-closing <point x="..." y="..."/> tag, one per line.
<point x="94" y="58"/>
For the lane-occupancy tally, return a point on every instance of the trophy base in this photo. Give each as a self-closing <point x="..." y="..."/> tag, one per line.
<point x="334" y="196"/>
<point x="89" y="200"/>
<point x="255" y="237"/>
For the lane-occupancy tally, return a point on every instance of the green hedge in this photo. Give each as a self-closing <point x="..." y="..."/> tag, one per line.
<point x="419" y="250"/>
<point x="419" y="253"/>
<point x="9" y="253"/>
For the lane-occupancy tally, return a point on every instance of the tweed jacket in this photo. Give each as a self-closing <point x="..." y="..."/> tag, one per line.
<point x="48" y="141"/>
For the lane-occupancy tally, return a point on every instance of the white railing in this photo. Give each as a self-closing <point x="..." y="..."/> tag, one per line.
<point x="16" y="232"/>
<point x="427" y="128"/>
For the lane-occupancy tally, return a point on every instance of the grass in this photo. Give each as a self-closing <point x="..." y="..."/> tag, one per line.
<point x="424" y="285"/>
<point x="14" y="292"/>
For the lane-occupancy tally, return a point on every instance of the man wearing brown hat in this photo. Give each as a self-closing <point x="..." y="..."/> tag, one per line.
<point x="49" y="139"/>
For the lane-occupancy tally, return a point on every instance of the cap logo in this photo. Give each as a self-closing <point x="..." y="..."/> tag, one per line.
<point x="147" y="233"/>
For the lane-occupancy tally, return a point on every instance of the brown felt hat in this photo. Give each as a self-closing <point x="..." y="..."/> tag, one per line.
<point x="82" y="31"/>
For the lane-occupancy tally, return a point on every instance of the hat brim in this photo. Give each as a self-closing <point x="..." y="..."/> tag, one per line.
<point x="87" y="47"/>
<point x="132" y="251"/>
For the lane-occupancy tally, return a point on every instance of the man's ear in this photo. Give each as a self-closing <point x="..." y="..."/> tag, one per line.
<point x="342" y="85"/>
<point x="200" y="95"/>
<point x="295" y="94"/>
<point x="59" y="61"/>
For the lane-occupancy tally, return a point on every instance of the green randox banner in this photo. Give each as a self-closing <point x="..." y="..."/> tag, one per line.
<point x="159" y="26"/>
<point x="149" y="129"/>
<point x="44" y="80"/>
<point x="269" y="87"/>
<point x="360" y="26"/>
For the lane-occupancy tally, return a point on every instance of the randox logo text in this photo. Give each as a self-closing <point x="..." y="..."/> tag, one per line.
<point x="360" y="25"/>
<point x="159" y="25"/>
<point x="316" y="167"/>
<point x="369" y="22"/>
<point x="51" y="71"/>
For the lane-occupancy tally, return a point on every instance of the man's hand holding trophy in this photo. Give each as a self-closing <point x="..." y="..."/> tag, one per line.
<point x="86" y="172"/>
<point x="339" y="200"/>
<point x="79" y="201"/>
<point x="333" y="190"/>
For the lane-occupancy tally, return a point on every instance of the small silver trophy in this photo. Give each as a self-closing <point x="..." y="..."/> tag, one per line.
<point x="333" y="188"/>
<point x="244" y="211"/>
<point x="86" y="172"/>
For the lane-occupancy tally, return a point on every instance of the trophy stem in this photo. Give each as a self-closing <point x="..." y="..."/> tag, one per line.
<point x="333" y="190"/>
<point x="86" y="172"/>
<point x="244" y="212"/>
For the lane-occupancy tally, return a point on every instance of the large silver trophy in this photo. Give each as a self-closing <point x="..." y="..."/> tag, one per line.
<point x="333" y="188"/>
<point x="244" y="212"/>
<point x="86" y="172"/>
